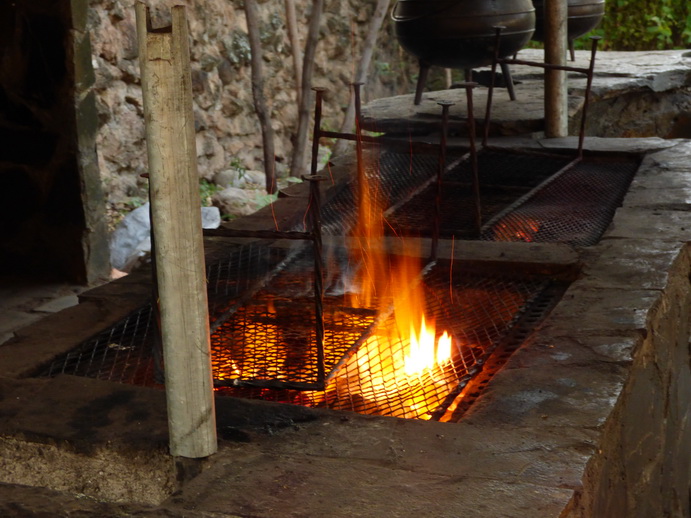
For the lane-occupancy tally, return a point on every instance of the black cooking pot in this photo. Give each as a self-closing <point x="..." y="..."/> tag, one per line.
<point x="460" y="33"/>
<point x="582" y="17"/>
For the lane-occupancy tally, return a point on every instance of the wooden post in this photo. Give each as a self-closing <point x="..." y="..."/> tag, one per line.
<point x="176" y="220"/>
<point x="556" y="93"/>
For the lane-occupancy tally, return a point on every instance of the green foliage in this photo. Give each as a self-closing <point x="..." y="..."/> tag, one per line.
<point x="207" y="190"/>
<point x="238" y="165"/>
<point x="263" y="200"/>
<point x="134" y="202"/>
<point x="383" y="68"/>
<point x="646" y="25"/>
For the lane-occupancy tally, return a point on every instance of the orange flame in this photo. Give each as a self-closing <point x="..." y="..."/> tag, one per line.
<point x="400" y="282"/>
<point x="425" y="352"/>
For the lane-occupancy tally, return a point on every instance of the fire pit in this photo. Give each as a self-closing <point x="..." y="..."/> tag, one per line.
<point x="406" y="347"/>
<point x="550" y="431"/>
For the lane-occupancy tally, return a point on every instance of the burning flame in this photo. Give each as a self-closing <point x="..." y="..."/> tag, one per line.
<point x="422" y="352"/>
<point x="397" y="356"/>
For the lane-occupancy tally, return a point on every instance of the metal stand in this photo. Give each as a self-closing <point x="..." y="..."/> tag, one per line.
<point x="589" y="72"/>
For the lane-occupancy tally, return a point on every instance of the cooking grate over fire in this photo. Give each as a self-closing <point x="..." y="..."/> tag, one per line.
<point x="573" y="207"/>
<point x="480" y="312"/>
<point x="523" y="197"/>
<point x="504" y="178"/>
<point x="395" y="176"/>
<point x="262" y="302"/>
<point x="265" y="348"/>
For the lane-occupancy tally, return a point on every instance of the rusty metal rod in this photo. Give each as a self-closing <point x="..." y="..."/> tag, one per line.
<point x="314" y="213"/>
<point x="415" y="146"/>
<point x="266" y="383"/>
<point x="258" y="234"/>
<point x="315" y="223"/>
<point x="586" y="100"/>
<point x="361" y="182"/>
<point x="493" y="75"/>
<point x="473" y="157"/>
<point x="317" y="124"/>
<point x="440" y="172"/>
<point x="550" y="66"/>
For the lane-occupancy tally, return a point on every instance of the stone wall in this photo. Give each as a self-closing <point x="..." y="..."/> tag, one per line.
<point x="227" y="127"/>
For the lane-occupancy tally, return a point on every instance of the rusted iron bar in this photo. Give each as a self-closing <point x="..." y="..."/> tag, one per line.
<point x="473" y="157"/>
<point x="258" y="234"/>
<point x="270" y="384"/>
<point x="361" y="182"/>
<point x="315" y="224"/>
<point x="440" y="173"/>
<point x="314" y="210"/>
<point x="410" y="145"/>
<point x="441" y="410"/>
<point x="545" y="65"/>
<point x="319" y="91"/>
<point x="588" y="88"/>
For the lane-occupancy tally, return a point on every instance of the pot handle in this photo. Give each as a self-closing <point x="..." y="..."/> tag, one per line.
<point x="397" y="18"/>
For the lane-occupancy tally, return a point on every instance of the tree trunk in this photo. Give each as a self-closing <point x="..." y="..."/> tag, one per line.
<point x="380" y="11"/>
<point x="298" y="163"/>
<point x="258" y="95"/>
<point x="292" y="25"/>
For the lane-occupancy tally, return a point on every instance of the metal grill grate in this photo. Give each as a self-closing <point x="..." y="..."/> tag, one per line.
<point x="479" y="311"/>
<point x="394" y="176"/>
<point x="262" y="307"/>
<point x="268" y="340"/>
<point x="575" y="207"/>
<point x="517" y="192"/>
<point x="123" y="353"/>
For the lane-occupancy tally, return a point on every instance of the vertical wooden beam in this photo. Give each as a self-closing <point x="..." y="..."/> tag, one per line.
<point x="556" y="93"/>
<point x="176" y="220"/>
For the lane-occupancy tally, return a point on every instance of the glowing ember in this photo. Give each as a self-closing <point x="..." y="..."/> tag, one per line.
<point x="524" y="230"/>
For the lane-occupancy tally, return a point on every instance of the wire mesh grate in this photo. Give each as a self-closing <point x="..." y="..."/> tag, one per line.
<point x="503" y="178"/>
<point x="575" y="208"/>
<point x="366" y="355"/>
<point x="261" y="300"/>
<point x="123" y="353"/>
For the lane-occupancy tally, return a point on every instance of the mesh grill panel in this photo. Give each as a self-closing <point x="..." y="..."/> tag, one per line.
<point x="123" y="353"/>
<point x="261" y="299"/>
<point x="575" y="208"/>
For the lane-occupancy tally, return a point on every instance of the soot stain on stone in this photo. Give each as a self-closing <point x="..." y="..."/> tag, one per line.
<point x="96" y="414"/>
